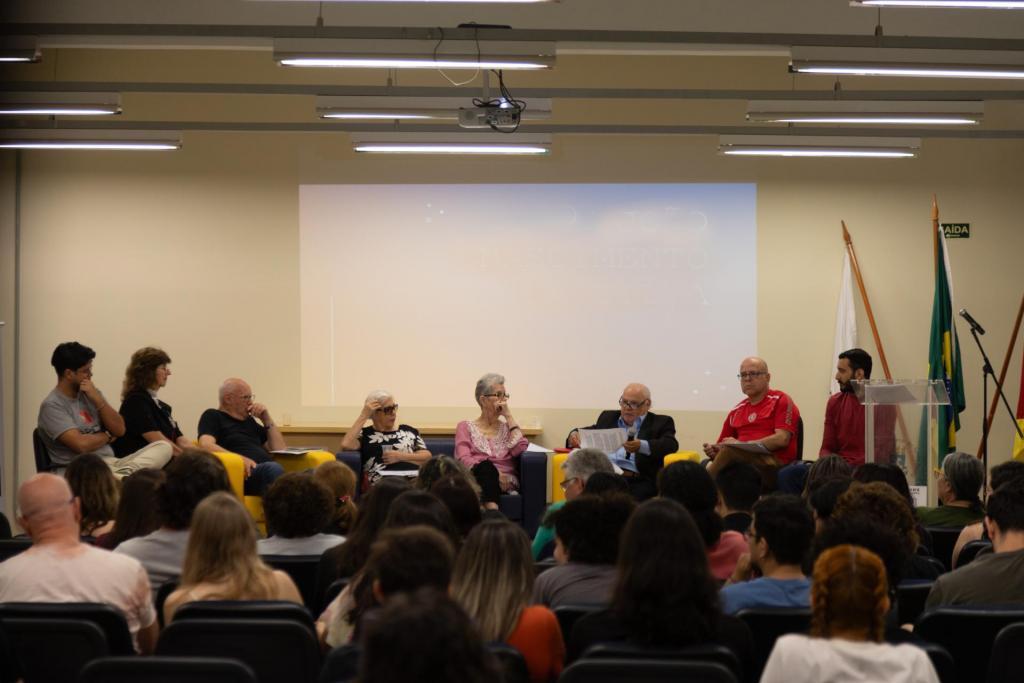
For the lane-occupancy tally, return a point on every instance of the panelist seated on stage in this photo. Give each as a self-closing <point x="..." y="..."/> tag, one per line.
<point x="384" y="447"/>
<point x="231" y="427"/>
<point x="844" y="415"/>
<point x="650" y="438"/>
<point x="766" y="416"/>
<point x="147" y="419"/>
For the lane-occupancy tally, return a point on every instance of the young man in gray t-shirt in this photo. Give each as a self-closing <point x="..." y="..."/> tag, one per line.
<point x="75" y="418"/>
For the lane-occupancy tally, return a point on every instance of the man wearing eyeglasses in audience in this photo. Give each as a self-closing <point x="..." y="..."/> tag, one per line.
<point x="383" y="448"/>
<point x="649" y="438"/>
<point x="766" y="416"/>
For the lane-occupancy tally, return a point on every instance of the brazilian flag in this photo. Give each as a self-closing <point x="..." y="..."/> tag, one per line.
<point x="944" y="364"/>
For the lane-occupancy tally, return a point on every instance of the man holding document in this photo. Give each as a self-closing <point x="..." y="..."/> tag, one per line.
<point x="640" y="448"/>
<point x="761" y="429"/>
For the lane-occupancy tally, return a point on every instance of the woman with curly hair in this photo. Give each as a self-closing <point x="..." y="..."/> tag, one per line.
<point x="340" y="480"/>
<point x="146" y="418"/>
<point x="849" y="601"/>
<point x="95" y="485"/>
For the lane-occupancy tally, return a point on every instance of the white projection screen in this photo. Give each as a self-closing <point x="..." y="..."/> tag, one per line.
<point x="570" y="291"/>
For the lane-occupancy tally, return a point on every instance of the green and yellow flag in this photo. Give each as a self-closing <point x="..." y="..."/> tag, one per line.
<point x="943" y="364"/>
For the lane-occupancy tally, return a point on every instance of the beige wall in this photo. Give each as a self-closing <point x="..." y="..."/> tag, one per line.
<point x="197" y="251"/>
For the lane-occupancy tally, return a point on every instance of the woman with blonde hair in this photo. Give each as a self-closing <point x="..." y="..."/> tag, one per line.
<point x="221" y="561"/>
<point x="94" y="484"/>
<point x="493" y="582"/>
<point x="849" y="601"/>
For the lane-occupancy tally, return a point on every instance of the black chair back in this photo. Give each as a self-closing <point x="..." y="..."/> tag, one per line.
<point x="43" y="462"/>
<point x="544" y="565"/>
<point x="511" y="663"/>
<point x="967" y="633"/>
<point x="53" y="649"/>
<point x="1006" y="664"/>
<point x="9" y="547"/>
<point x="303" y="570"/>
<point x="277" y="650"/>
<point x="568" y="615"/>
<point x="910" y="599"/>
<point x="166" y="670"/>
<point x="971" y="550"/>
<point x="162" y="593"/>
<point x="5" y="527"/>
<point x="943" y="542"/>
<point x="109" y="620"/>
<point x="341" y="664"/>
<point x="646" y="670"/>
<point x="767" y="625"/>
<point x="246" y="610"/>
<point x="945" y="668"/>
<point x="705" y="652"/>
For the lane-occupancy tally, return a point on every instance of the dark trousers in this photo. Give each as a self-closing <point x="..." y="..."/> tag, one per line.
<point x="487" y="476"/>
<point x="261" y="477"/>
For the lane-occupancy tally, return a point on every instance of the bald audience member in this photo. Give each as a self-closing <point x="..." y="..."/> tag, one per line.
<point x="232" y="427"/>
<point x="649" y="438"/>
<point x="766" y="419"/>
<point x="60" y="568"/>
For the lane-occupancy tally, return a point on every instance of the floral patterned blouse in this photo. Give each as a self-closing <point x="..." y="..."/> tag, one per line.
<point x="373" y="443"/>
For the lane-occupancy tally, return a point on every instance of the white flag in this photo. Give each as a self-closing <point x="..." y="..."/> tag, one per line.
<point x="846" y="319"/>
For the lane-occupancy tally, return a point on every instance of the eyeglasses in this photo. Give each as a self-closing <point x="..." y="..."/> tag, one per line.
<point x="565" y="484"/>
<point x="388" y="410"/>
<point x="248" y="397"/>
<point x="500" y="395"/>
<point x="750" y="375"/>
<point x="632" y="405"/>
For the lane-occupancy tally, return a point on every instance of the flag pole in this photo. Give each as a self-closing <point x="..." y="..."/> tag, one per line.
<point x="911" y="458"/>
<point x="1002" y="377"/>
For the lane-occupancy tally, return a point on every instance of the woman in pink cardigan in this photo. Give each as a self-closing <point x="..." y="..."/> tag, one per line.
<point x="491" y="444"/>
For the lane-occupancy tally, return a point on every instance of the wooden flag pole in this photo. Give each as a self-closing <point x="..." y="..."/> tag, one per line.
<point x="1002" y="377"/>
<point x="911" y="457"/>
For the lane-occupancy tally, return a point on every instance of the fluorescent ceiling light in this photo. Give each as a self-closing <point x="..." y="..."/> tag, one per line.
<point x="865" y="112"/>
<point x="415" y="54"/>
<point x="817" y="146"/>
<point x="90" y="139"/>
<point x="843" y="61"/>
<point x="464" y="144"/>
<point x="943" y="4"/>
<point x="371" y="108"/>
<point x="59" y="104"/>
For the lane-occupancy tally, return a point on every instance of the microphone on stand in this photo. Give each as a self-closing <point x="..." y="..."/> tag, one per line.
<point x="975" y="325"/>
<point x="630" y="435"/>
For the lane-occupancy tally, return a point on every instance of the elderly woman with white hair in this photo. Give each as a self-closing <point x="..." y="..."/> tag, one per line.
<point x="490" y="445"/>
<point x="383" y="448"/>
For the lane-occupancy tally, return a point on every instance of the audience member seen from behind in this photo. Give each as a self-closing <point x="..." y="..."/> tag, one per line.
<point x="849" y="601"/>
<point x="739" y="487"/>
<point x="424" y="636"/>
<point x="1001" y="474"/>
<point x="894" y="476"/>
<point x="690" y="484"/>
<point x="666" y="595"/>
<point x="605" y="482"/>
<point x="221" y="561"/>
<point x="147" y="419"/>
<point x="823" y="499"/>
<point x="340" y="480"/>
<point x="493" y="581"/>
<point x="75" y="417"/>
<point x="959" y="488"/>
<point x="770" y="574"/>
<point x="436" y="469"/>
<point x="491" y="444"/>
<point x="825" y="467"/>
<point x="384" y="445"/>
<point x="297" y="508"/>
<point x="577" y="469"/>
<point x="59" y="568"/>
<point x="996" y="578"/>
<point x="188" y="479"/>
<point x="137" y="513"/>
<point x="462" y="502"/>
<point x="587" y="531"/>
<point x="97" y="488"/>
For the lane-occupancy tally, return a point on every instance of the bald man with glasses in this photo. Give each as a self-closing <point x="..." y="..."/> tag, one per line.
<point x="649" y="438"/>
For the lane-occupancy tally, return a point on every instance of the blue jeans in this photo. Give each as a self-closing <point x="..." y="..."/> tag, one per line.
<point x="261" y="477"/>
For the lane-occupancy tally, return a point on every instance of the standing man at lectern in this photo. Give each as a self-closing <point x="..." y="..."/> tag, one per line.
<point x="844" y="415"/>
<point x="649" y="438"/>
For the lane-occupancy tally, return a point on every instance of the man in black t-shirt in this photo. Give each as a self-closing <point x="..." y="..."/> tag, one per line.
<point x="232" y="427"/>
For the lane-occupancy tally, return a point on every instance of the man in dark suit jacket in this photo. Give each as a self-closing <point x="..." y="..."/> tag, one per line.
<point x="649" y="438"/>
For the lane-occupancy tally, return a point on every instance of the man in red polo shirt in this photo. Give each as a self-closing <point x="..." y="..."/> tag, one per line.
<point x="766" y="416"/>
<point x="844" y="415"/>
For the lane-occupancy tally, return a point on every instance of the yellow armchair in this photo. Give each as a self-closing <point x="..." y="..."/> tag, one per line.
<point x="692" y="456"/>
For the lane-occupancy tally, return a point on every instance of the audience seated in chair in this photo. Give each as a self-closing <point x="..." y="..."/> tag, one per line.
<point x="297" y="508"/>
<point x="823" y="498"/>
<point x="1001" y="474"/>
<point x="587" y="531"/>
<point x="60" y="568"/>
<point x="493" y="582"/>
<point x="778" y="539"/>
<point x="690" y="484"/>
<point x="824" y="468"/>
<point x="997" y="578"/>
<point x="959" y="487"/>
<point x="188" y="479"/>
<point x="340" y="480"/>
<point x="137" y="513"/>
<point x="739" y="486"/>
<point x="384" y="445"/>
<point x="462" y="502"/>
<point x="424" y="636"/>
<point x="97" y="489"/>
<point x="221" y="561"/>
<point x="849" y="599"/>
<point x="662" y="547"/>
<point x="577" y="469"/>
